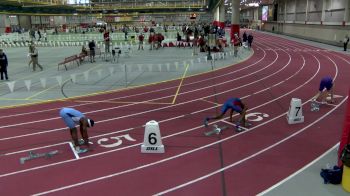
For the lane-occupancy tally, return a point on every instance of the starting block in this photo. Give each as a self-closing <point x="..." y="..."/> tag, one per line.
<point x="216" y="129"/>
<point x="152" y="142"/>
<point x="33" y="155"/>
<point x="295" y="112"/>
<point x="240" y="128"/>
<point x="315" y="107"/>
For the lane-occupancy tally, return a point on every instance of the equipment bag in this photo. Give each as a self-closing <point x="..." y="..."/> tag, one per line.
<point x="332" y="176"/>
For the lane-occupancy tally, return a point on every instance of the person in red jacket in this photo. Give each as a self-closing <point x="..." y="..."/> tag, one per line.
<point x="141" y="38"/>
<point x="107" y="40"/>
<point x="145" y="29"/>
<point x="156" y="41"/>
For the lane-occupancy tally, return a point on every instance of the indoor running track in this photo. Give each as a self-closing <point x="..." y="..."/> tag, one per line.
<point x="231" y="163"/>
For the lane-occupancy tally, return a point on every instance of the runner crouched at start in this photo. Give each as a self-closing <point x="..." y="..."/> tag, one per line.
<point x="71" y="118"/>
<point x="325" y="89"/>
<point x="235" y="105"/>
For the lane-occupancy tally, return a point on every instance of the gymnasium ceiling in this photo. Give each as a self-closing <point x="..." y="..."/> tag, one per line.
<point x="114" y="7"/>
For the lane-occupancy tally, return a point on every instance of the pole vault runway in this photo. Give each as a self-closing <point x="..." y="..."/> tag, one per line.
<point x="230" y="163"/>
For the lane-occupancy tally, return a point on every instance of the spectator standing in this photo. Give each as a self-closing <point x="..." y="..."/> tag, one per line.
<point x="245" y="37"/>
<point x="250" y="40"/>
<point x="32" y="34"/>
<point x="107" y="40"/>
<point x="92" y="46"/>
<point x="45" y="35"/>
<point x="141" y="38"/>
<point x="125" y="33"/>
<point x="3" y="65"/>
<point x="39" y="35"/>
<point x="236" y="44"/>
<point x="345" y="42"/>
<point x="178" y="39"/>
<point x="34" y="56"/>
<point x="30" y="61"/>
<point x="150" y="40"/>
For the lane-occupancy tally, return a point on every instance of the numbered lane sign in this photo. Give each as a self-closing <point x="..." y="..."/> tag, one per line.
<point x="295" y="113"/>
<point x="152" y="142"/>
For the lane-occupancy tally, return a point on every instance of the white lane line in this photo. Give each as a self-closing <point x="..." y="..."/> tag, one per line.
<point x="297" y="172"/>
<point x="194" y="150"/>
<point x="242" y="160"/>
<point x="143" y="93"/>
<point x="157" y="109"/>
<point x="168" y="136"/>
<point x="155" y="99"/>
<point x="74" y="152"/>
<point x="263" y="150"/>
<point x="312" y="77"/>
<point x="233" y="124"/>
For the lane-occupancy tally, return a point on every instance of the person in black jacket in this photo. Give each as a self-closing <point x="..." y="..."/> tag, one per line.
<point x="345" y="42"/>
<point x="250" y="40"/>
<point x="3" y="65"/>
<point x="245" y="38"/>
<point x="92" y="46"/>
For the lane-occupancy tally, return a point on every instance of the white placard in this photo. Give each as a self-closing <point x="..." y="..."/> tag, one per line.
<point x="152" y="142"/>
<point x="295" y="112"/>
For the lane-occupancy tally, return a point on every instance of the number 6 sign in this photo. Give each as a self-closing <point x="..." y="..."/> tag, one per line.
<point x="152" y="142"/>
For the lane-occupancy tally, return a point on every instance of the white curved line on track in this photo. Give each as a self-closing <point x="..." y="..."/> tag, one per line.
<point x="170" y="119"/>
<point x="157" y="109"/>
<point x="245" y="159"/>
<point x="144" y="93"/>
<point x="253" y="155"/>
<point x="178" y="133"/>
<point x="203" y="177"/>
<point x="155" y="99"/>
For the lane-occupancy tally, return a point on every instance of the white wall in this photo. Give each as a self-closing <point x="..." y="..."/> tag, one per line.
<point x="322" y="33"/>
<point x="334" y="10"/>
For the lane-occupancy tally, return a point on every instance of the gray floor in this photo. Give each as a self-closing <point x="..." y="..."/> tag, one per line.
<point x="138" y="67"/>
<point x="309" y="182"/>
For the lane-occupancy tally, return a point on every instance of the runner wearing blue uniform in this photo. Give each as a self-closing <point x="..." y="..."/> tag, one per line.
<point x="326" y="88"/>
<point x="235" y="105"/>
<point x="71" y="118"/>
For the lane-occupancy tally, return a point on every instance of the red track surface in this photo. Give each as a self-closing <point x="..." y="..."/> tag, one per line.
<point x="193" y="164"/>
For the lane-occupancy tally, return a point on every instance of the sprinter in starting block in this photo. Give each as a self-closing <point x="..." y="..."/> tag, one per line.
<point x="235" y="105"/>
<point x="325" y="90"/>
<point x="73" y="117"/>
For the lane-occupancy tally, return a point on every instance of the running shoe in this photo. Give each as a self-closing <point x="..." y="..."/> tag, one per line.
<point x="82" y="151"/>
<point x="206" y="121"/>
